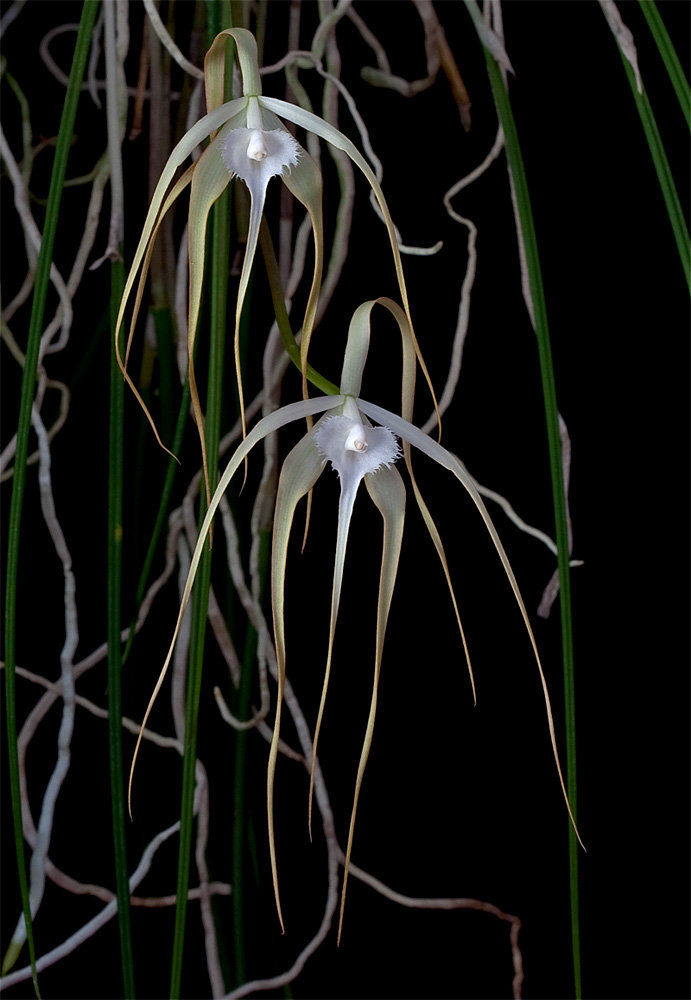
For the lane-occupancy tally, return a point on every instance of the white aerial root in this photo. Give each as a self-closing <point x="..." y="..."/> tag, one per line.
<point x="344" y="166"/>
<point x="165" y="39"/>
<point x="54" y="873"/>
<point x="383" y="77"/>
<point x="551" y="591"/>
<point x="336" y="857"/>
<point x="461" y="903"/>
<point x="92" y="85"/>
<point x="294" y="249"/>
<point x="302" y="55"/>
<point x="203" y="892"/>
<point x="213" y="962"/>
<point x="31" y="230"/>
<point x="37" y="875"/>
<point x="624" y="37"/>
<point x="100" y="920"/>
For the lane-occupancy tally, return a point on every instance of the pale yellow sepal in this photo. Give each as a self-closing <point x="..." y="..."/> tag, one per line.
<point x="268" y="424"/>
<point x="300" y="471"/>
<point x="11" y="955"/>
<point x="209" y="180"/>
<point x="387" y="490"/>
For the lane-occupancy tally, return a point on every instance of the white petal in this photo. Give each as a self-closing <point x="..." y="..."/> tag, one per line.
<point x="354" y="449"/>
<point x="256" y="156"/>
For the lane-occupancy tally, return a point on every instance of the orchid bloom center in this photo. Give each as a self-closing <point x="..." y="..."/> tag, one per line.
<point x="353" y="448"/>
<point x="356" y="439"/>
<point x="257" y="154"/>
<point x="257" y="148"/>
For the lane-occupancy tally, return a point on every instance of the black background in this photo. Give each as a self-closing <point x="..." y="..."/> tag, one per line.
<point x="457" y="801"/>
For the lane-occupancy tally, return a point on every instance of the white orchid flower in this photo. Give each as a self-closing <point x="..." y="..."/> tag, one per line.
<point x="345" y="438"/>
<point x="249" y="141"/>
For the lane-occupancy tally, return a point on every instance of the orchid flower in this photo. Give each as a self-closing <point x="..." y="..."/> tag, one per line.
<point x="250" y="142"/>
<point x="357" y="450"/>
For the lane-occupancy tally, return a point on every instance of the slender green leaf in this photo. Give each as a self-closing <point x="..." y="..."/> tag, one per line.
<point x="669" y="56"/>
<point x="664" y="174"/>
<point x="45" y="256"/>
<point x="239" y="812"/>
<point x="115" y="474"/>
<point x="282" y="320"/>
<point x="194" y="677"/>
<point x="662" y="169"/>
<point x="513" y="152"/>
<point x="167" y="369"/>
<point x="160" y="515"/>
<point x="219" y="300"/>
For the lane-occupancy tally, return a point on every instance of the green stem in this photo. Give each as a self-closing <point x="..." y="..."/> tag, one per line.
<point x="159" y="524"/>
<point x="239" y="819"/>
<point x="662" y="168"/>
<point x="669" y="56"/>
<point x="115" y="473"/>
<point x="219" y="297"/>
<point x="115" y="494"/>
<point x="196" y="656"/>
<point x="282" y="320"/>
<point x="200" y="601"/>
<point x="45" y="256"/>
<point x="513" y="152"/>
<point x="165" y="349"/>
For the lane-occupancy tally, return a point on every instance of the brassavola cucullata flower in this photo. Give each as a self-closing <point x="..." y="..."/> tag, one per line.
<point x="355" y="448"/>
<point x="358" y="451"/>
<point x="248" y="141"/>
<point x="256" y="155"/>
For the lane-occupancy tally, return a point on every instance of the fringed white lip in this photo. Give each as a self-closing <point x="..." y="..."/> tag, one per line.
<point x="355" y="450"/>
<point x="256" y="155"/>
